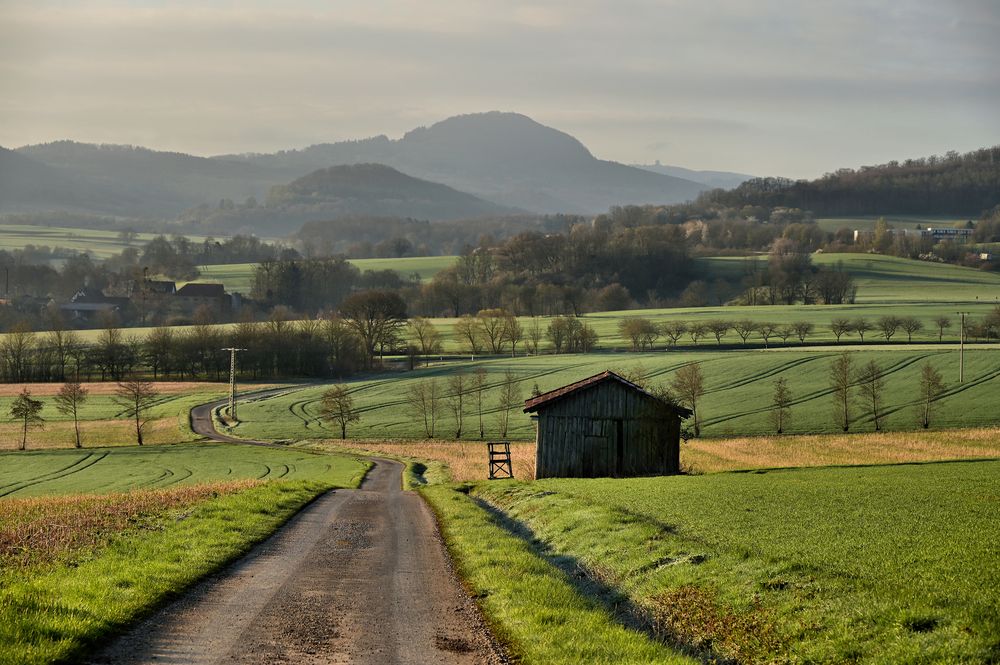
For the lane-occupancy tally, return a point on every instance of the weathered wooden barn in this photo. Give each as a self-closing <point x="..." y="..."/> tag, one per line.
<point x="605" y="426"/>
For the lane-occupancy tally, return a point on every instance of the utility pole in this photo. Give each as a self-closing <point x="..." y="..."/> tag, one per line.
<point x="961" y="348"/>
<point x="232" y="380"/>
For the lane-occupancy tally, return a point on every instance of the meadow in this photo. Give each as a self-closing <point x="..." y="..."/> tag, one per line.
<point x="239" y="276"/>
<point x="865" y="564"/>
<point x="867" y="222"/>
<point x="737" y="401"/>
<point x="100" y="244"/>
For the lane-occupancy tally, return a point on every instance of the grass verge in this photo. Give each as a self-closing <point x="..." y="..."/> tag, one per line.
<point x="534" y="607"/>
<point x="59" y="609"/>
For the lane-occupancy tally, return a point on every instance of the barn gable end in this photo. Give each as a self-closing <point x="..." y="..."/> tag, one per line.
<point x="605" y="426"/>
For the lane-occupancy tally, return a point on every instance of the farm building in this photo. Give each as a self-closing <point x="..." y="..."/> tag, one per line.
<point x="605" y="426"/>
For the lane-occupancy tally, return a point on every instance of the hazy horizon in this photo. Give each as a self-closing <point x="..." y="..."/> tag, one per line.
<point x="772" y="88"/>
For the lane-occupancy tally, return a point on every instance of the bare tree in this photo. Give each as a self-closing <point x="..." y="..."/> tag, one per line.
<point x="784" y="332"/>
<point x="467" y="330"/>
<point x="719" y="329"/>
<point x="766" y="331"/>
<point x="423" y="398"/>
<point x="689" y="386"/>
<point x="427" y="335"/>
<point x="68" y="401"/>
<point x="491" y="325"/>
<point x="871" y="388"/>
<point x="781" y="404"/>
<point x="744" y="328"/>
<point x="337" y="406"/>
<point x="803" y="329"/>
<point x="888" y="325"/>
<point x="455" y="401"/>
<point x="137" y="397"/>
<point x="696" y="331"/>
<point x="841" y="377"/>
<point x="861" y="325"/>
<point x="535" y="336"/>
<point x="673" y="330"/>
<point x="478" y="388"/>
<point x="942" y="322"/>
<point x="932" y="387"/>
<point x="640" y="332"/>
<point x="910" y="325"/>
<point x="510" y="396"/>
<point x="28" y="411"/>
<point x="840" y="327"/>
<point x="512" y="333"/>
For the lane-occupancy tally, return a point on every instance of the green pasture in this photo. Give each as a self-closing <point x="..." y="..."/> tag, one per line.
<point x="888" y="279"/>
<point x="100" y="244"/>
<point x="867" y="223"/>
<point x="239" y="276"/>
<point x="101" y="470"/>
<point x="867" y="564"/>
<point x="739" y="387"/>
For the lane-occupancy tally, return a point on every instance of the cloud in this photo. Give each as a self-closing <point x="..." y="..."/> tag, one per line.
<point x="728" y="84"/>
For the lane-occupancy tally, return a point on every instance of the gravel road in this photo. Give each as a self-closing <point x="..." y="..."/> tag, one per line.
<point x="359" y="576"/>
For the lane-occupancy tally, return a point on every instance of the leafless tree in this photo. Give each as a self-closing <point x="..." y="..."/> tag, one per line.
<point x="861" y="326"/>
<point x="467" y="330"/>
<point x="478" y="388"/>
<point x="932" y="387"/>
<point x="337" y="406"/>
<point x="510" y="397"/>
<point x="28" y="411"/>
<point x="696" y="331"/>
<point x="491" y="325"/>
<point x="512" y="333"/>
<point x="841" y="378"/>
<point x="781" y="404"/>
<point x="719" y="328"/>
<point x="871" y="389"/>
<point x="766" y="331"/>
<point x="673" y="330"/>
<point x="803" y="329"/>
<point x="840" y="327"/>
<point x="942" y="322"/>
<point x="784" y="332"/>
<point x="689" y="387"/>
<point x="137" y="397"/>
<point x="68" y="401"/>
<point x="910" y="325"/>
<point x="535" y="336"/>
<point x="427" y="335"/>
<point x="888" y="325"/>
<point x="423" y="399"/>
<point x="744" y="328"/>
<point x="455" y="401"/>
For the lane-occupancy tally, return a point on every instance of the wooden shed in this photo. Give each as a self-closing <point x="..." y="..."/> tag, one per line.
<point x="605" y="426"/>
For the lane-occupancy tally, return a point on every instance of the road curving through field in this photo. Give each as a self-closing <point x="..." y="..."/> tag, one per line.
<point x="358" y="576"/>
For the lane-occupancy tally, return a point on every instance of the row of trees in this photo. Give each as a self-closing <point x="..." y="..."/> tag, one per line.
<point x="134" y="395"/>
<point x="431" y="401"/>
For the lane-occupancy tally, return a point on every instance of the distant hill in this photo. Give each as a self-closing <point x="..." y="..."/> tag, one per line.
<point x="348" y="191"/>
<point x="507" y="158"/>
<point x="713" y="179"/>
<point x="955" y="184"/>
<point x="157" y="184"/>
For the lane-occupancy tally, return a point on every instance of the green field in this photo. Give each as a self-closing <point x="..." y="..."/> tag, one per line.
<point x="239" y="276"/>
<point x="739" y="387"/>
<point x="894" y="564"/>
<point x="98" y="243"/>
<point x="51" y="472"/>
<point x="867" y="223"/>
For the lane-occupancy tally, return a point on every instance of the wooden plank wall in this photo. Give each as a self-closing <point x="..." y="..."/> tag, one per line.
<point x="577" y="435"/>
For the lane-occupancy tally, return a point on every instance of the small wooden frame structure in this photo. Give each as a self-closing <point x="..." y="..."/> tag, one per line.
<point x="605" y="426"/>
<point x="500" y="466"/>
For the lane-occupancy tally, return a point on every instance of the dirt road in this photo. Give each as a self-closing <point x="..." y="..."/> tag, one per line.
<point x="359" y="576"/>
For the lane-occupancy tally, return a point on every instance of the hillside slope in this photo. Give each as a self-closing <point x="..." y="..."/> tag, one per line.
<point x="504" y="157"/>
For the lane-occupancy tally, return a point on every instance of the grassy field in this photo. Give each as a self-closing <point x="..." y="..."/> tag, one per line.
<point x="867" y="223"/>
<point x="867" y="564"/>
<point x="99" y="244"/>
<point x="239" y="276"/>
<point x="739" y="386"/>
<point x="102" y="422"/>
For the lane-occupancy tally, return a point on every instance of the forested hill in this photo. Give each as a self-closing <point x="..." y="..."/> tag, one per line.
<point x="956" y="184"/>
<point x="507" y="158"/>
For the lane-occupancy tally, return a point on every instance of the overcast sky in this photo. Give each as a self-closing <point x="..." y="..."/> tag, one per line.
<point x="765" y="87"/>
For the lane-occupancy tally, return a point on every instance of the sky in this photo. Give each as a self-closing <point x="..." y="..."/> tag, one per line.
<point x="766" y="87"/>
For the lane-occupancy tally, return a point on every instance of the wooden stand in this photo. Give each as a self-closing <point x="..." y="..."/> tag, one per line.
<point x="500" y="466"/>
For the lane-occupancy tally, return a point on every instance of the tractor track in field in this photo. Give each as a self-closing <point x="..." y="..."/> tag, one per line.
<point x="357" y="576"/>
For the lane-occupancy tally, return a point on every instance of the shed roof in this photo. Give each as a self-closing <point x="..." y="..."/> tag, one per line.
<point x="201" y="290"/>
<point x="535" y="403"/>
